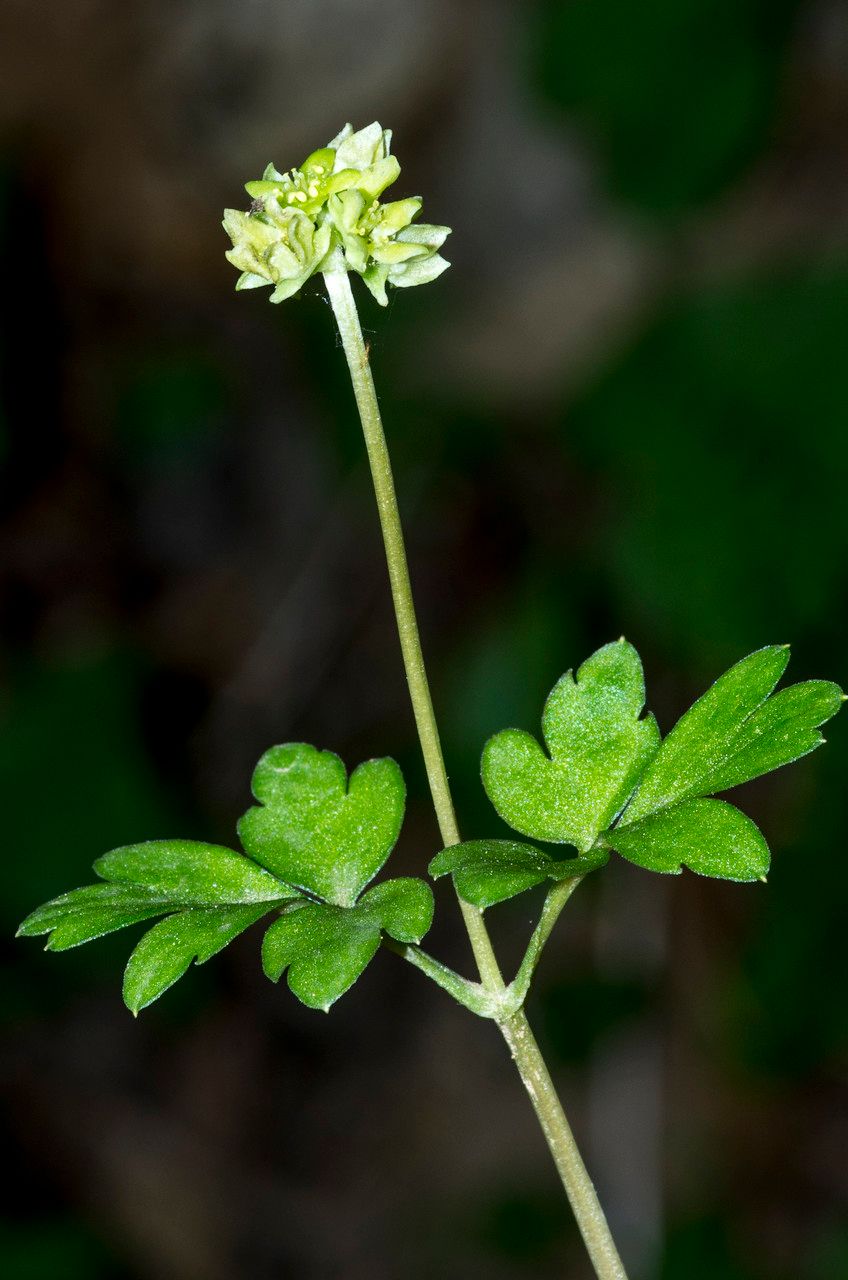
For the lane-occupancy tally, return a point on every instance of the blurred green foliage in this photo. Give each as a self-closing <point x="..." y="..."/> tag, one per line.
<point x="57" y="1247"/>
<point x="719" y="440"/>
<point x="82" y="779"/>
<point x="678" y="95"/>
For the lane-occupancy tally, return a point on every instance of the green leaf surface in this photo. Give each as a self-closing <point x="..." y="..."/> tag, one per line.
<point x="149" y="880"/>
<point x="486" y="872"/>
<point x="782" y="730"/>
<point x="710" y="837"/>
<point x="403" y="908"/>
<point x="165" y="952"/>
<point x="88" y="913"/>
<point x="317" y="831"/>
<point x="325" y="948"/>
<point x="598" y="746"/>
<point x="735" y="732"/>
<point x="192" y="872"/>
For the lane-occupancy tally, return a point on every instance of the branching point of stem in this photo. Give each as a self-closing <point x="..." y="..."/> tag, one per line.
<point x="471" y="995"/>
<point x="515" y="1029"/>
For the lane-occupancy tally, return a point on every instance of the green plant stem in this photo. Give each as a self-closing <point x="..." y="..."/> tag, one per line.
<point x="472" y="995"/>
<point x="344" y="307"/>
<point x="515" y="1028"/>
<point x="554" y="903"/>
<point x="578" y="1185"/>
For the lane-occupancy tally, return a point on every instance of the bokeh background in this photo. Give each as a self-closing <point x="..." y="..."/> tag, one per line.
<point x="623" y="410"/>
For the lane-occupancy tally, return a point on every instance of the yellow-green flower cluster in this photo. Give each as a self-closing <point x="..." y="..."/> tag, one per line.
<point x="327" y="216"/>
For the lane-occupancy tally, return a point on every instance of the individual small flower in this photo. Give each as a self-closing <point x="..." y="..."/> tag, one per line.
<point x="283" y="248"/>
<point x="327" y="216"/>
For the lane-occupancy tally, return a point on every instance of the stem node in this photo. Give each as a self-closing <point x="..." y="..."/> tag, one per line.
<point x="490" y="994"/>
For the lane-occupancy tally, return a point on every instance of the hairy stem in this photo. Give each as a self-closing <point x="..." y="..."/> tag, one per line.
<point x="515" y="1028"/>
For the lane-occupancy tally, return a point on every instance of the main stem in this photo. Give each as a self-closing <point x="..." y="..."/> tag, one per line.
<point x="516" y="1029"/>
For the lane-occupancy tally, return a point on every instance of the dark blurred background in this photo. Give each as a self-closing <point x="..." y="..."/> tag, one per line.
<point x="623" y="410"/>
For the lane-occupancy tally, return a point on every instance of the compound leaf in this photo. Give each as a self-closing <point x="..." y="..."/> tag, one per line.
<point x="599" y="747"/>
<point x="166" y="951"/>
<point x="710" y="837"/>
<point x="316" y="830"/>
<point x="329" y="837"/>
<point x="192" y="872"/>
<point x="735" y="732"/>
<point x="486" y="872"/>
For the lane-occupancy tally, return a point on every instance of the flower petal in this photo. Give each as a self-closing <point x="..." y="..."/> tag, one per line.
<point x="250" y="280"/>
<point x="361" y="149"/>
<point x="374" y="180"/>
<point x="375" y="279"/>
<point x="419" y="271"/>
<point x="425" y="233"/>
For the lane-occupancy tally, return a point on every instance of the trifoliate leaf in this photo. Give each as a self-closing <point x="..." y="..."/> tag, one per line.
<point x="486" y="872"/>
<point x="166" y="951"/>
<point x="598" y="745"/>
<point x="88" y="913"/>
<point x="326" y="948"/>
<point x="735" y="732"/>
<point x="317" y="831"/>
<point x="192" y="872"/>
<point x="711" y="837"/>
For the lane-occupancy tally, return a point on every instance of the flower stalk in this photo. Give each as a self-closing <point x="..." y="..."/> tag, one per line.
<point x="356" y="354"/>
<point x="515" y="1028"/>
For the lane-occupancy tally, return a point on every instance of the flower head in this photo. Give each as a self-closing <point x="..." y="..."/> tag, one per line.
<point x="327" y="215"/>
